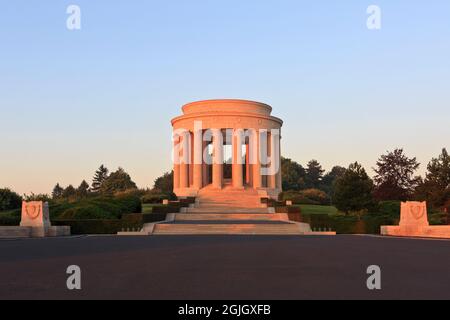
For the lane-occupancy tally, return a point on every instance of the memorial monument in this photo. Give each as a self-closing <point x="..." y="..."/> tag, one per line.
<point x="414" y="223"/>
<point x="35" y="223"/>
<point x="206" y="127"/>
<point x="227" y="202"/>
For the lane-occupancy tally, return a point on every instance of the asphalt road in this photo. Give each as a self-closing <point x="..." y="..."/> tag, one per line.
<point x="236" y="268"/>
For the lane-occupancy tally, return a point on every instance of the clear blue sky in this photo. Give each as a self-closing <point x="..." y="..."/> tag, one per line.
<point x="71" y="100"/>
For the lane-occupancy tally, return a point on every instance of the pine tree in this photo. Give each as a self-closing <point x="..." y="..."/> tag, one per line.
<point x="83" y="189"/>
<point x="69" y="192"/>
<point x="314" y="174"/>
<point x="353" y="190"/>
<point x="57" y="192"/>
<point x="99" y="178"/>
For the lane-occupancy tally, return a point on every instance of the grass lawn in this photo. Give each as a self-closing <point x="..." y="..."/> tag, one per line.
<point x="314" y="209"/>
<point x="148" y="207"/>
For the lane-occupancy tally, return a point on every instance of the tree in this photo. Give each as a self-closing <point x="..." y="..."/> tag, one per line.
<point x="436" y="187"/>
<point x="314" y="174"/>
<point x="164" y="183"/>
<point x="37" y="197"/>
<point x="57" y="192"/>
<point x="293" y="175"/>
<point x="118" y="181"/>
<point x="69" y="192"/>
<point x="353" y="190"/>
<point x="100" y="176"/>
<point x="329" y="179"/>
<point x="9" y="200"/>
<point x="395" y="178"/>
<point x="83" y="190"/>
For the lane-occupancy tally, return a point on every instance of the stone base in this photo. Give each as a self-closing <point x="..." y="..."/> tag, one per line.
<point x="320" y="233"/>
<point x="186" y="193"/>
<point x="31" y="232"/>
<point x="442" y="232"/>
<point x="133" y="234"/>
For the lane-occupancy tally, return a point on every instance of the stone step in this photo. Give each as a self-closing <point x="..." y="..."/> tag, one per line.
<point x="15" y="232"/>
<point x="219" y="210"/>
<point x="229" y="229"/>
<point x="232" y="217"/>
<point x="231" y="206"/>
<point x="233" y="222"/>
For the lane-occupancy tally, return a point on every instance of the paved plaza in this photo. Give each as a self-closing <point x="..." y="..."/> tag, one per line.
<point x="216" y="267"/>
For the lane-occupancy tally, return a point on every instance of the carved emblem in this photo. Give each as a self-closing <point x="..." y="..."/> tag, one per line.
<point x="33" y="211"/>
<point x="417" y="212"/>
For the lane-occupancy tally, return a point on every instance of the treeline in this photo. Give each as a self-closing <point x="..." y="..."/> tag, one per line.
<point x="103" y="183"/>
<point x="351" y="189"/>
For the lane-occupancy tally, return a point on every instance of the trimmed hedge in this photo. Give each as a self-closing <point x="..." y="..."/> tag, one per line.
<point x="9" y="221"/>
<point x="78" y="227"/>
<point x="273" y="203"/>
<point x="294" y="213"/>
<point x="164" y="209"/>
<point x="369" y="223"/>
<point x="110" y="226"/>
<point x="173" y="206"/>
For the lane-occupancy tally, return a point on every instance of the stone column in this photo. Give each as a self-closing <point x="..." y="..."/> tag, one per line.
<point x="185" y="159"/>
<point x="176" y="162"/>
<point x="272" y="177"/>
<point x="191" y="162"/>
<point x="248" y="167"/>
<point x="217" y="159"/>
<point x="205" y="168"/>
<point x="256" y="164"/>
<point x="198" y="160"/>
<point x="238" y="138"/>
<point x="279" y="179"/>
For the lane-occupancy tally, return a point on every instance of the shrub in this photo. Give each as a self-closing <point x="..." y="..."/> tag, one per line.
<point x="97" y="208"/>
<point x="390" y="208"/>
<point x="9" y="200"/>
<point x="316" y="196"/>
<point x="153" y="197"/>
<point x="309" y="196"/>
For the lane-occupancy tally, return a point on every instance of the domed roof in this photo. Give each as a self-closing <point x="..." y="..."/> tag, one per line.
<point x="227" y="106"/>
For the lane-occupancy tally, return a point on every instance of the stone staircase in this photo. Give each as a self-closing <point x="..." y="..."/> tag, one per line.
<point x="236" y="228"/>
<point x="228" y="200"/>
<point x="227" y="212"/>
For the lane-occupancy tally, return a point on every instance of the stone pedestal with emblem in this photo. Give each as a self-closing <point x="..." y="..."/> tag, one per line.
<point x="35" y="223"/>
<point x="35" y="215"/>
<point x="414" y="223"/>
